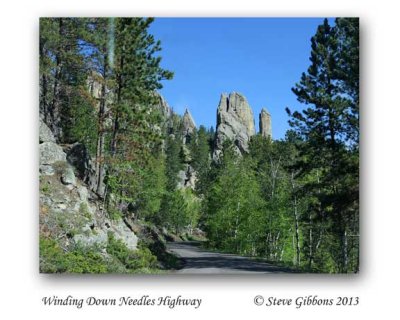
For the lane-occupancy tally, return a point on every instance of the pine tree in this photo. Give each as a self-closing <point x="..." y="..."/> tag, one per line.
<point x="137" y="75"/>
<point x="326" y="154"/>
<point x="62" y="73"/>
<point x="201" y="155"/>
<point x="347" y="72"/>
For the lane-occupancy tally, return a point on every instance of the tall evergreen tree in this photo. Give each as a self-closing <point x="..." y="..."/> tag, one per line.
<point x="62" y="72"/>
<point x="134" y="138"/>
<point x="326" y="153"/>
<point x="201" y="155"/>
<point x="347" y="72"/>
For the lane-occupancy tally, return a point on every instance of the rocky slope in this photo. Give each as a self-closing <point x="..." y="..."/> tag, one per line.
<point x="69" y="211"/>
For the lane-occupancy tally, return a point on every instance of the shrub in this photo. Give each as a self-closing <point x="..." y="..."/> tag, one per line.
<point x="142" y="258"/>
<point x="80" y="260"/>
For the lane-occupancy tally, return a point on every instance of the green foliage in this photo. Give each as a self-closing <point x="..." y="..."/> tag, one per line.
<point x="45" y="187"/>
<point x="50" y="256"/>
<point x="84" y="210"/>
<point x="328" y="156"/>
<point x="235" y="208"/>
<point x="201" y="155"/>
<point x="192" y="209"/>
<point x="85" y="261"/>
<point x="180" y="211"/>
<point x="174" y="211"/>
<point x="79" y="123"/>
<point x="174" y="161"/>
<point x="141" y="185"/>
<point x="62" y="71"/>
<point x="153" y="188"/>
<point x="53" y="259"/>
<point x="114" y="214"/>
<point x="133" y="261"/>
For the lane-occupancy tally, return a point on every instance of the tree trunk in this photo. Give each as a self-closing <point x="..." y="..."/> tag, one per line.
<point x="101" y="132"/>
<point x="114" y="135"/>
<point x="44" y="99"/>
<point x="116" y="119"/>
<point x="55" y="107"/>
<point x="236" y="226"/>
<point x="296" y="226"/>
<point x="344" y="251"/>
<point x="43" y="83"/>
<point x="310" y="251"/>
<point x="296" y="221"/>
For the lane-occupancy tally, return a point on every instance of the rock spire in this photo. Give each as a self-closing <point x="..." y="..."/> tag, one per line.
<point x="235" y="121"/>
<point x="265" y="123"/>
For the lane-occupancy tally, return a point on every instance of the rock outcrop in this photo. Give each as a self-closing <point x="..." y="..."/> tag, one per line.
<point x="78" y="156"/>
<point x="69" y="211"/>
<point x="187" y="178"/>
<point x="94" y="86"/>
<point x="235" y="121"/>
<point x="163" y="106"/>
<point x="45" y="134"/>
<point x="49" y="151"/>
<point x="265" y="123"/>
<point x="188" y="126"/>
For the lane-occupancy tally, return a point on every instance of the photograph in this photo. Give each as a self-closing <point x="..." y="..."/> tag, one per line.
<point x="198" y="145"/>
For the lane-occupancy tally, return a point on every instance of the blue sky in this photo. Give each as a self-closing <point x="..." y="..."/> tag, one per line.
<point x="262" y="58"/>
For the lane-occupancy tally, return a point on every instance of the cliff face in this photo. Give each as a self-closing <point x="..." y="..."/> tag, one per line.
<point x="265" y="123"/>
<point x="235" y="121"/>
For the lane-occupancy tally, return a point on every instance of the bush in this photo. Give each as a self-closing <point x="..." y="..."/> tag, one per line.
<point x="114" y="214"/>
<point x="80" y="260"/>
<point x="142" y="258"/>
<point x="50" y="255"/>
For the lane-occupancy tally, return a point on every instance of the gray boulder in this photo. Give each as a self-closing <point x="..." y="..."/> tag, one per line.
<point x="83" y="193"/>
<point x="123" y="233"/>
<point x="68" y="176"/>
<point x="50" y="152"/>
<point x="45" y="134"/>
<point x="46" y="170"/>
